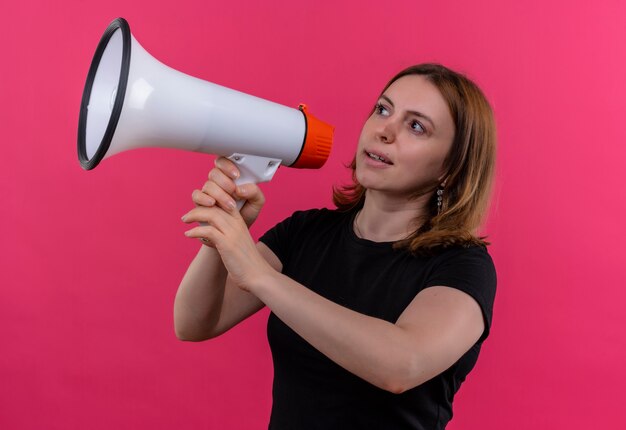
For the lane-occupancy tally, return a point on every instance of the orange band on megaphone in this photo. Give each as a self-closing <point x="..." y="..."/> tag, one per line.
<point x="317" y="142"/>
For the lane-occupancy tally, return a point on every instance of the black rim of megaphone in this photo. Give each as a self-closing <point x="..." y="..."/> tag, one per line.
<point x="85" y="162"/>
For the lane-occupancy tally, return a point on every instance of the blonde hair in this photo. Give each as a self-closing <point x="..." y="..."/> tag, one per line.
<point x="469" y="167"/>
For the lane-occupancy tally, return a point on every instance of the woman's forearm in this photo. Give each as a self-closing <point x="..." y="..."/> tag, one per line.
<point x="434" y="331"/>
<point x="373" y="349"/>
<point x="200" y="296"/>
<point x="207" y="302"/>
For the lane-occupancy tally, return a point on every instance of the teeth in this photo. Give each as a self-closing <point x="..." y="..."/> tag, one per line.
<point x="377" y="157"/>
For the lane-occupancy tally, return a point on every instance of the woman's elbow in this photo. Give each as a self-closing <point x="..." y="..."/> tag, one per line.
<point x="398" y="385"/>
<point x="394" y="388"/>
<point x="407" y="376"/>
<point x="182" y="336"/>
<point x="190" y="334"/>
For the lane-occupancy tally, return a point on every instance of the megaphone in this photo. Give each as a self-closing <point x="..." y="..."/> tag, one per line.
<point x="131" y="100"/>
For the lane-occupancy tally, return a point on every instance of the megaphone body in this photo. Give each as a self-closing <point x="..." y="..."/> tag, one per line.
<point x="131" y="100"/>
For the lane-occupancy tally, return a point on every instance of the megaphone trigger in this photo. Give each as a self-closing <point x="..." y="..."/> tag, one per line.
<point x="254" y="169"/>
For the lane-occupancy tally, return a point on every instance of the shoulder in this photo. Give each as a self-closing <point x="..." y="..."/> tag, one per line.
<point x="477" y="254"/>
<point x="470" y="265"/>
<point x="468" y="269"/>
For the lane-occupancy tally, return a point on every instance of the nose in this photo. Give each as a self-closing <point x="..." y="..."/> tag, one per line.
<point x="386" y="132"/>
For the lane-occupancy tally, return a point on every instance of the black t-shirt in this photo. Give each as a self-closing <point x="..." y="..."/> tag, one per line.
<point x="319" y="249"/>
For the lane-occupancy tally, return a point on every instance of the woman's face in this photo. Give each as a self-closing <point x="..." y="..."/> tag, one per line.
<point x="406" y="139"/>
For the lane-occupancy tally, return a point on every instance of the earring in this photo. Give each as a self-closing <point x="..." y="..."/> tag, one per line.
<point x="440" y="197"/>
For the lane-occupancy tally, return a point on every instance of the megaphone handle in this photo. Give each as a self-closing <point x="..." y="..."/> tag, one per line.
<point x="253" y="169"/>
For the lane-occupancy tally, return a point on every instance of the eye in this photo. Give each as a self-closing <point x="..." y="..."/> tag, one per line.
<point x="417" y="127"/>
<point x="380" y="109"/>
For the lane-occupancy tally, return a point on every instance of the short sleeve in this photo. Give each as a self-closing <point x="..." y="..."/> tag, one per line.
<point x="277" y="240"/>
<point x="472" y="271"/>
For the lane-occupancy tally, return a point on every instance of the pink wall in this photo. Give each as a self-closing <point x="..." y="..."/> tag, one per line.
<point x="90" y="261"/>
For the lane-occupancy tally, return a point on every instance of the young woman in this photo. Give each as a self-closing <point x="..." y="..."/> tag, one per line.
<point x="379" y="307"/>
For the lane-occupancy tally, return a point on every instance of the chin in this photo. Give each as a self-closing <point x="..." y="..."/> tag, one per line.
<point x="365" y="179"/>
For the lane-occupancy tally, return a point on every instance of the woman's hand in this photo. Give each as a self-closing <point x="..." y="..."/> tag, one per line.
<point x="227" y="232"/>
<point x="225" y="228"/>
<point x="222" y="191"/>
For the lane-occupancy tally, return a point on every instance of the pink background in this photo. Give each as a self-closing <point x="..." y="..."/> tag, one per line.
<point x="90" y="261"/>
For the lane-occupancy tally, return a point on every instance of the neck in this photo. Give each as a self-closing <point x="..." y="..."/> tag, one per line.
<point x="385" y="219"/>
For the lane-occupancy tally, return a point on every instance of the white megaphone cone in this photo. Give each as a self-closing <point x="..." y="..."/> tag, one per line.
<point x="131" y="100"/>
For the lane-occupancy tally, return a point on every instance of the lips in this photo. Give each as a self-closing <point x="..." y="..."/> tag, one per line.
<point x="377" y="157"/>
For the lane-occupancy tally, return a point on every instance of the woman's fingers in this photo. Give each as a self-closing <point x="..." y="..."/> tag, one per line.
<point x="221" y="190"/>
<point x="213" y="216"/>
<point x="208" y="235"/>
<point x="211" y="224"/>
<point x="252" y="193"/>
<point x="202" y="199"/>
<point x="222" y="179"/>
<point x="216" y="224"/>
<point x="220" y="185"/>
<point x="207" y="231"/>
<point x="216" y="207"/>
<point x="221" y="197"/>
<point x="202" y="214"/>
<point x="254" y="201"/>
<point x="227" y="166"/>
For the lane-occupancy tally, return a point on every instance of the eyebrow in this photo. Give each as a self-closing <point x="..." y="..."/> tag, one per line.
<point x="413" y="112"/>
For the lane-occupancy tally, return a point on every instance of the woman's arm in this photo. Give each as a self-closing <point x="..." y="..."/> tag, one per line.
<point x="207" y="302"/>
<point x="433" y="332"/>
